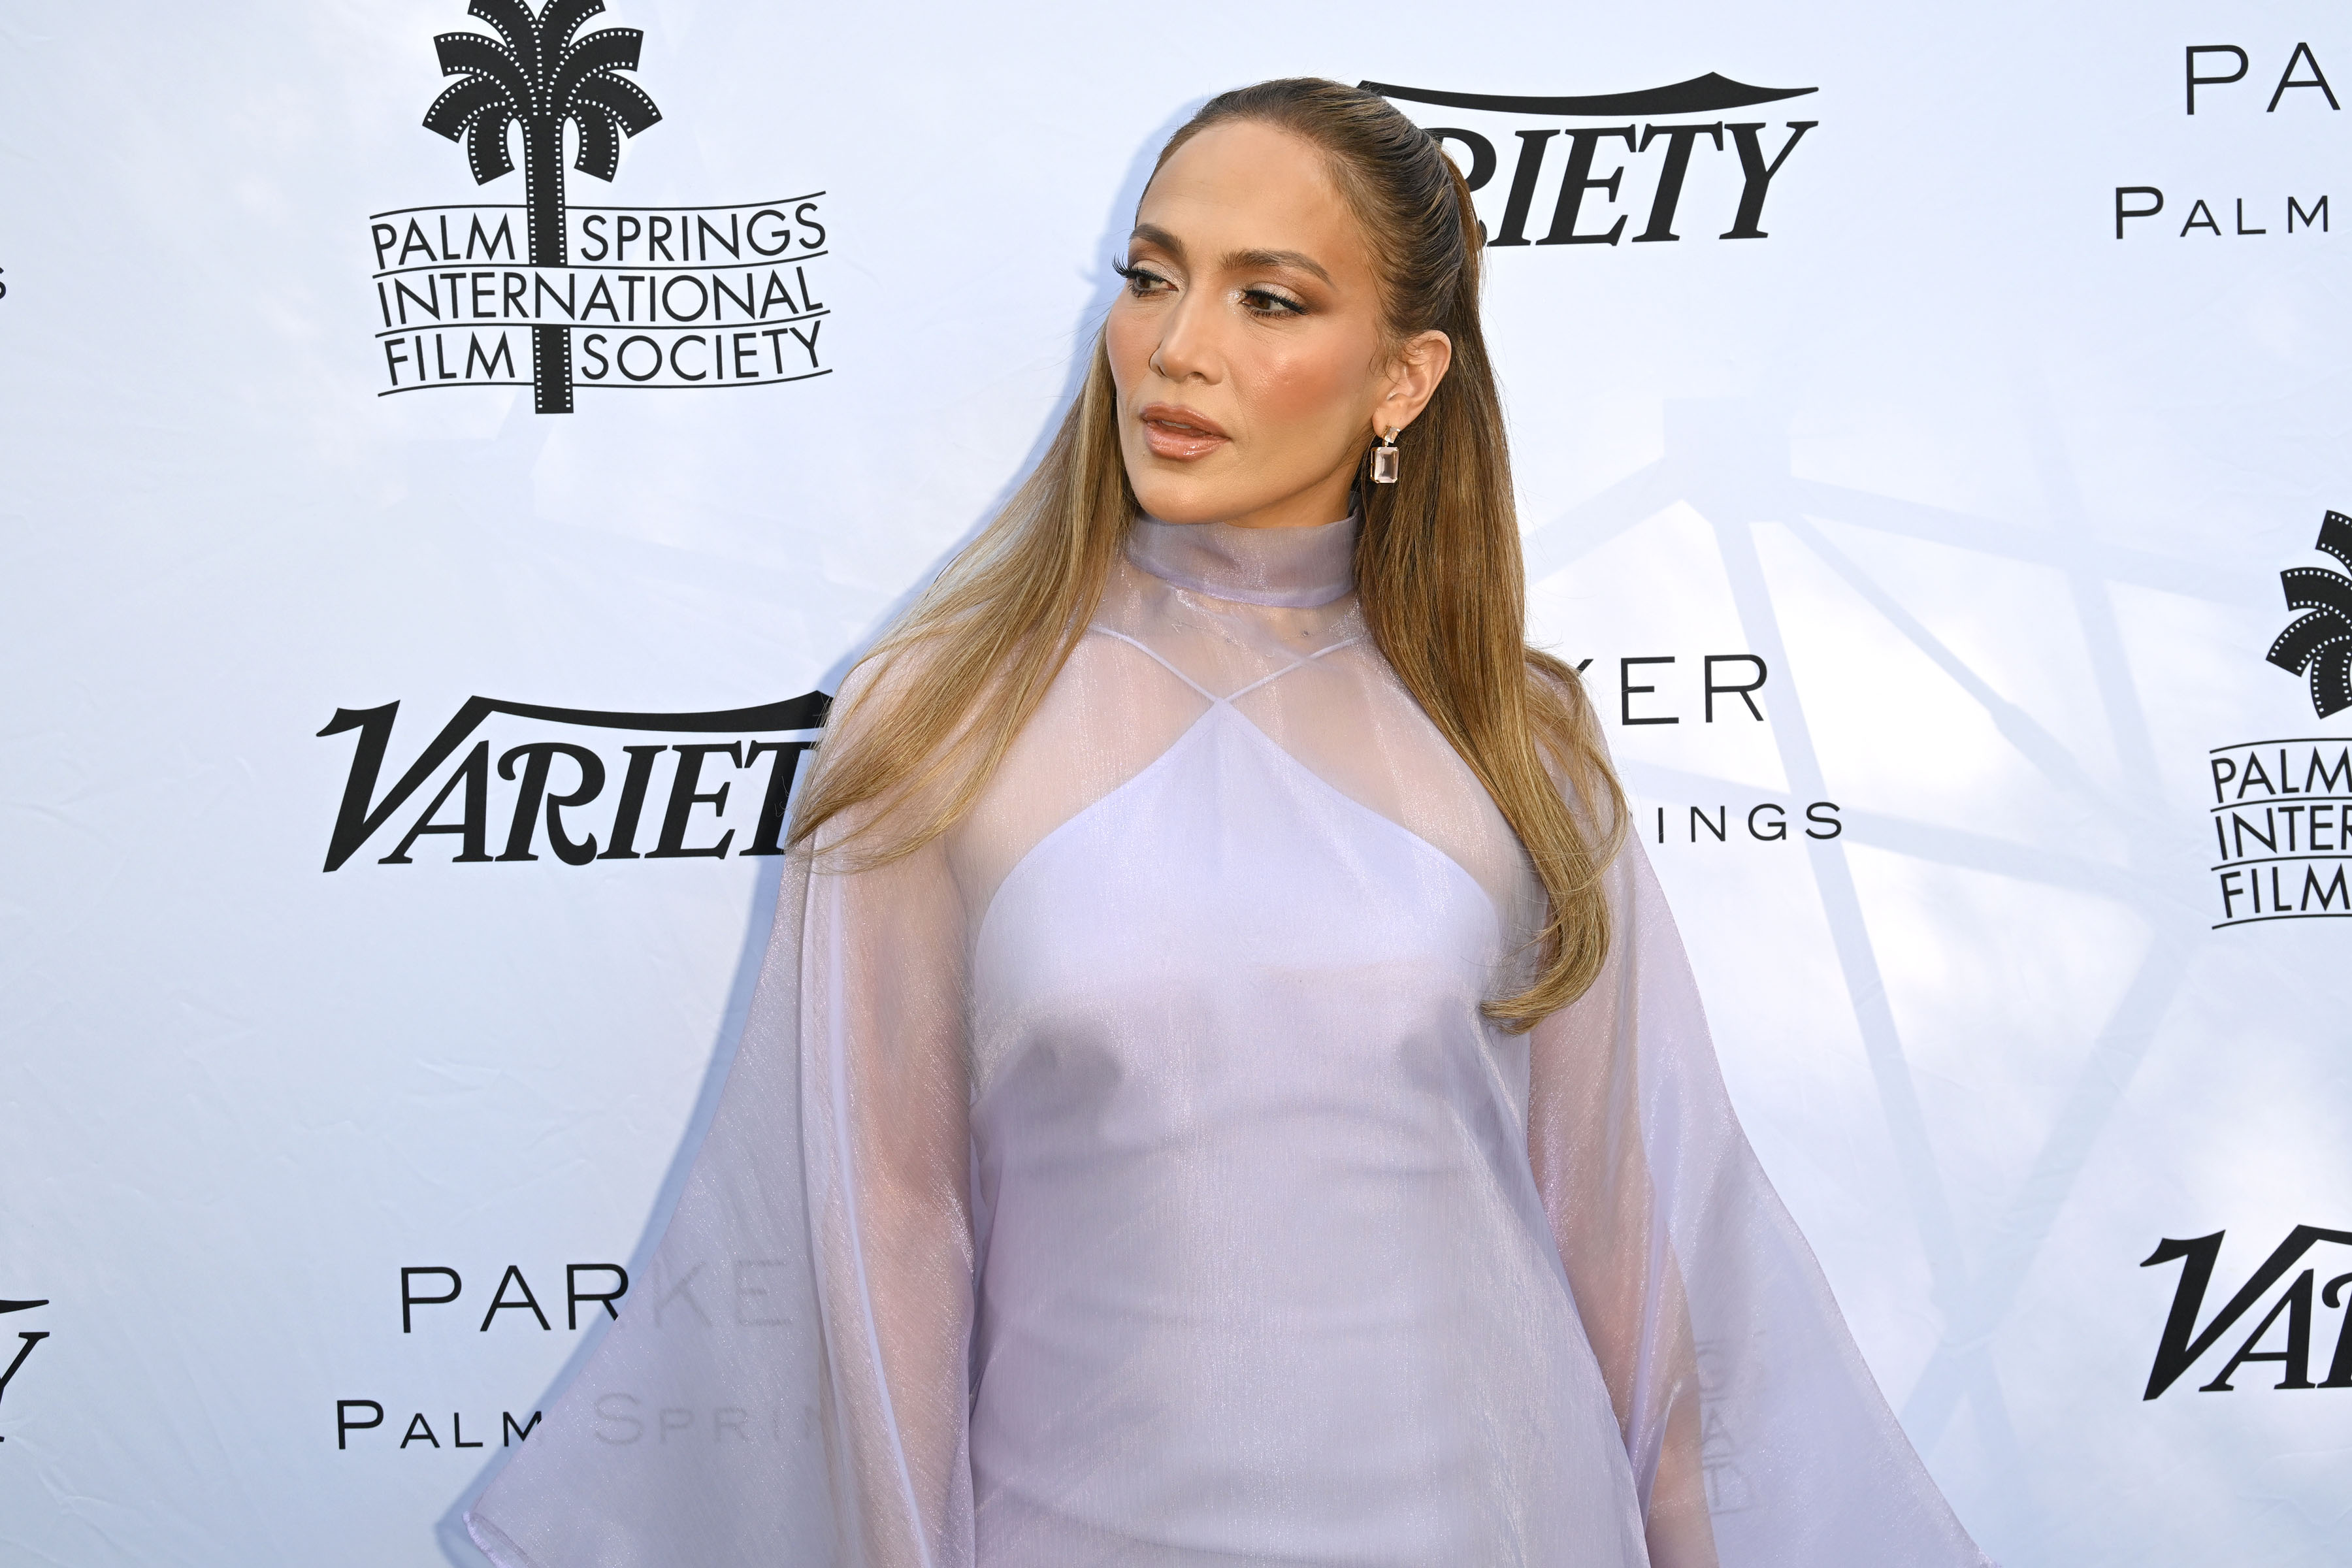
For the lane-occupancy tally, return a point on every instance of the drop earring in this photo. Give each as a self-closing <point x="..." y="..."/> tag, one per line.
<point x="1384" y="458"/>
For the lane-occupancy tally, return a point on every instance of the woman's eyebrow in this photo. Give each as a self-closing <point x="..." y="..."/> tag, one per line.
<point x="1253" y="261"/>
<point x="1152" y="233"/>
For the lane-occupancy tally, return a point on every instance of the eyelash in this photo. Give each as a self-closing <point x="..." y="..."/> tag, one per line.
<point x="1263" y="303"/>
<point x="1136" y="277"/>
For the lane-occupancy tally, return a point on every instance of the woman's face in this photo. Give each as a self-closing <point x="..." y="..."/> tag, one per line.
<point x="1247" y="347"/>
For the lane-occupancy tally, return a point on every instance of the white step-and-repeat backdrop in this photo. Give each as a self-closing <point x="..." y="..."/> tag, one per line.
<point x="416" y="551"/>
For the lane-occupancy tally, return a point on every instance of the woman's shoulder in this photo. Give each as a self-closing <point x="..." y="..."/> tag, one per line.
<point x="889" y="692"/>
<point x="885" y="772"/>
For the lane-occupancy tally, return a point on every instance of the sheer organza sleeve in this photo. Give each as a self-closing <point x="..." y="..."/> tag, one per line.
<point x="1585" y="1140"/>
<point x="788" y="1381"/>
<point x="1757" y="1434"/>
<point x="885" y="1124"/>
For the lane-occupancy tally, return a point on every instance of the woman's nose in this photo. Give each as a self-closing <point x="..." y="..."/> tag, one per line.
<point x="1187" y="350"/>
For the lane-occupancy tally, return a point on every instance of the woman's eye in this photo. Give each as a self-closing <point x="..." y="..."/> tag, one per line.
<point x="1142" y="279"/>
<point x="1266" y="302"/>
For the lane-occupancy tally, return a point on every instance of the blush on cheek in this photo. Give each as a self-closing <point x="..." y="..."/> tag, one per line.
<point x="1305" y="400"/>
<point x="1302" y="388"/>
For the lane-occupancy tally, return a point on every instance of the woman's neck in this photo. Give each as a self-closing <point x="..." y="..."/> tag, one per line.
<point x="1288" y="568"/>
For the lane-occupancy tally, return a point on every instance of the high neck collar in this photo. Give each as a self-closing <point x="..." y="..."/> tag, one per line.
<point x="1287" y="568"/>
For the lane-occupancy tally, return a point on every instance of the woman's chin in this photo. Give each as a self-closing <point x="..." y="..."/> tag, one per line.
<point x="1178" y="501"/>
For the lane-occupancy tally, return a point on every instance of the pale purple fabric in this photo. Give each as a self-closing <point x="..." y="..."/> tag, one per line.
<point x="1130" y="1177"/>
<point x="1280" y="568"/>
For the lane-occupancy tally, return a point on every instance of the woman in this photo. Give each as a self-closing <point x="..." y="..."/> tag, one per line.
<point x="1222" y="1089"/>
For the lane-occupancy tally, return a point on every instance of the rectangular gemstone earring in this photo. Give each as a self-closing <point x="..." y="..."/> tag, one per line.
<point x="1384" y="458"/>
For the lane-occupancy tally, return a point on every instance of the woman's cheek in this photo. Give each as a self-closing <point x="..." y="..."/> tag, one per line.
<point x="1299" y="392"/>
<point x="1123" y="340"/>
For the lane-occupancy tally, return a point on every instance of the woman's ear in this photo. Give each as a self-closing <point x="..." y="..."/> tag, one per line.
<point x="1412" y="380"/>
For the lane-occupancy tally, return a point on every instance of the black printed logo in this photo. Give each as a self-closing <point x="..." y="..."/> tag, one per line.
<point x="540" y="74"/>
<point x="2281" y="809"/>
<point x="1573" y="187"/>
<point x="2281" y="817"/>
<point x="2287" y="1344"/>
<point x="25" y="1339"/>
<point x="2318" y="645"/>
<point x="674" y="298"/>
<point x="553" y="776"/>
<point x="2302" y="89"/>
<point x="738" y="1293"/>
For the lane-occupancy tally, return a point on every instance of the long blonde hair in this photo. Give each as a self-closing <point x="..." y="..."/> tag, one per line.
<point x="1437" y="565"/>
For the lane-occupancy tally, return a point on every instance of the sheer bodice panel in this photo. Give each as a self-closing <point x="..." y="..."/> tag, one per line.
<point x="1157" y="657"/>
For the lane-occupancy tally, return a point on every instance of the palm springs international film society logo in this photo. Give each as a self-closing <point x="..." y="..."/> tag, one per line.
<point x="2282" y="809"/>
<point x="557" y="296"/>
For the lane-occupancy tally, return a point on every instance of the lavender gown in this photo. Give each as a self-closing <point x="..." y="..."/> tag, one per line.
<point x="1129" y="1178"/>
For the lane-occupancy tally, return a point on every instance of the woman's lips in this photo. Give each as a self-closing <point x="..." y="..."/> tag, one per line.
<point x="1172" y="431"/>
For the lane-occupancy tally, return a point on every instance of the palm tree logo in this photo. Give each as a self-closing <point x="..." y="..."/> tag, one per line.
<point x="2320" y="642"/>
<point x="538" y="72"/>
